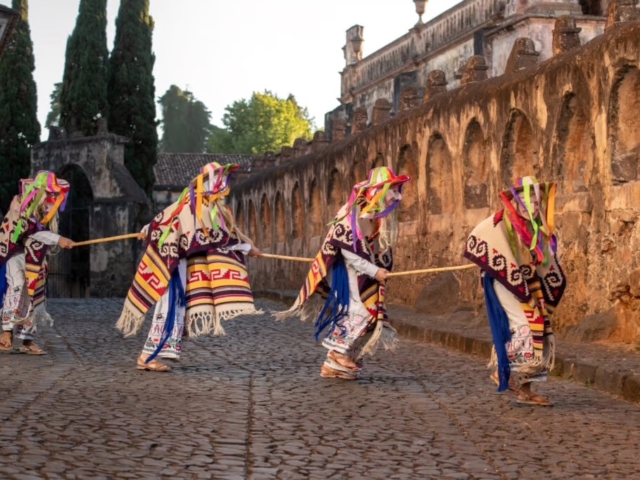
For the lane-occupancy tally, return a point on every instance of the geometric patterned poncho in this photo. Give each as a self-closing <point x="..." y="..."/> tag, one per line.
<point x="488" y="246"/>
<point x="372" y="293"/>
<point x="537" y="286"/>
<point x="35" y="262"/>
<point x="217" y="279"/>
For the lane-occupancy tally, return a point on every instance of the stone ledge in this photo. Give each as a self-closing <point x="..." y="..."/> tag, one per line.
<point x="594" y="372"/>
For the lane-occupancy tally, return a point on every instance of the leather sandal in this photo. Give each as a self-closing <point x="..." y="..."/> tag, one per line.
<point x="31" y="349"/>
<point x="152" y="366"/>
<point x="512" y="384"/>
<point x="328" y="372"/>
<point x="533" y="399"/>
<point x="343" y="361"/>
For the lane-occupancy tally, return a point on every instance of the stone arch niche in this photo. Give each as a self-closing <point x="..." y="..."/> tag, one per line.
<point x="624" y="128"/>
<point x="315" y="209"/>
<point x="253" y="223"/>
<point x="407" y="165"/>
<point x="117" y="206"/>
<point x="476" y="168"/>
<point x="573" y="147"/>
<point x="70" y="270"/>
<point x="265" y="214"/>
<point x="297" y="213"/>
<point x="281" y="232"/>
<point x="439" y="177"/>
<point x="240" y="216"/>
<point x="335" y="192"/>
<point x="359" y="173"/>
<point x="378" y="161"/>
<point x="519" y="156"/>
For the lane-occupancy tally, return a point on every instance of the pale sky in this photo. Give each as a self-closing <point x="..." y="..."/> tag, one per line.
<point x="223" y="50"/>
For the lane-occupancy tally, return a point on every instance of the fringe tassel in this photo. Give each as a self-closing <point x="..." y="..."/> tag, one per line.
<point x="382" y="333"/>
<point x="41" y="316"/>
<point x="309" y="310"/>
<point x="129" y="322"/>
<point x="204" y="323"/>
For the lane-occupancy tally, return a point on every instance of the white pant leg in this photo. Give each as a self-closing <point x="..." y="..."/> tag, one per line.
<point x="173" y="347"/>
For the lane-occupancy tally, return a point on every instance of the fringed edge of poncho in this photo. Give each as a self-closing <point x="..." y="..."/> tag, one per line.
<point x="201" y="323"/>
<point x="544" y="361"/>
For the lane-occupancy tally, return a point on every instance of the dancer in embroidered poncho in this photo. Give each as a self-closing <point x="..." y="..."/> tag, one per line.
<point x="193" y="270"/>
<point x="28" y="230"/>
<point x="350" y="271"/>
<point x="523" y="284"/>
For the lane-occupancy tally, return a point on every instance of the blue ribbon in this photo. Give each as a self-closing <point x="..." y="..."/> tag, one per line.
<point x="177" y="298"/>
<point x="500" y="331"/>
<point x="4" y="285"/>
<point x="337" y="304"/>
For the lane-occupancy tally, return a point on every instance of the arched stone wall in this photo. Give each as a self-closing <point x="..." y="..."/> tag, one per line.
<point x="281" y="229"/>
<point x="240" y="217"/>
<point x="439" y="177"/>
<point x="297" y="212"/>
<point x="265" y="213"/>
<point x="407" y="165"/>
<point x="519" y="149"/>
<point x="476" y="168"/>
<point x="315" y="209"/>
<point x="624" y="127"/>
<point x="378" y="161"/>
<point x="572" y="159"/>
<point x="253" y="224"/>
<point x="335" y="193"/>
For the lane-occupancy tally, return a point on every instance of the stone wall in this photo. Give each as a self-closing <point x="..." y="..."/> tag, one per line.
<point x="114" y="205"/>
<point x="572" y="119"/>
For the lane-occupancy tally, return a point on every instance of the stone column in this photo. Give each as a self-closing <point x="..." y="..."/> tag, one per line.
<point x="475" y="71"/>
<point x="565" y="35"/>
<point x="523" y="55"/>
<point x="381" y="111"/>
<point x="621" y="11"/>
<point x="360" y="119"/>
<point x="436" y="84"/>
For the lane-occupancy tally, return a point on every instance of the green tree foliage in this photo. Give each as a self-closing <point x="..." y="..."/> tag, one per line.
<point x="263" y="123"/>
<point x="19" y="126"/>
<point x="186" y="122"/>
<point x="131" y="90"/>
<point x="53" y="118"/>
<point x="84" y="89"/>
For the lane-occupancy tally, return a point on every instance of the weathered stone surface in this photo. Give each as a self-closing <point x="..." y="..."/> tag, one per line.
<point x="381" y="111"/>
<point x="475" y="71"/>
<point x="360" y="119"/>
<point x="435" y="297"/>
<point x="593" y="328"/>
<point x="565" y="35"/>
<point x="523" y="55"/>
<point x="621" y="11"/>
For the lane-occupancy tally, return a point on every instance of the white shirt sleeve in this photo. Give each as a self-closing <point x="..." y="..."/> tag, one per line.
<point x="46" y="237"/>
<point x="243" y="247"/>
<point x="145" y="229"/>
<point x="359" y="264"/>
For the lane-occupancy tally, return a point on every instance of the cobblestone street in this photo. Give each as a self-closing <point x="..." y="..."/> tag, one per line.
<point x="251" y="405"/>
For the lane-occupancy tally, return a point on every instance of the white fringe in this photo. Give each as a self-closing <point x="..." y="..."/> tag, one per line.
<point x="129" y="323"/>
<point x="309" y="310"/>
<point x="205" y="323"/>
<point x="382" y="333"/>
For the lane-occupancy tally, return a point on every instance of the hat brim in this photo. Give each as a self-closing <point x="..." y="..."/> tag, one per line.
<point x="519" y="189"/>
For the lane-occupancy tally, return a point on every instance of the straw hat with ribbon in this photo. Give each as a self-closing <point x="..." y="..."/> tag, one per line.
<point x="44" y="189"/>
<point x="535" y="231"/>
<point x="370" y="196"/>
<point x="211" y="184"/>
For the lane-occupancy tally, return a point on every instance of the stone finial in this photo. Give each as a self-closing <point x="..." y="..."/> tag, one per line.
<point x="621" y="11"/>
<point x="565" y="35"/>
<point x="475" y="71"/>
<point x="103" y="127"/>
<point x="409" y="98"/>
<point x="381" y="111"/>
<point x="57" y="133"/>
<point x="287" y="153"/>
<point x="360" y="119"/>
<point x="523" y="55"/>
<point x="300" y="147"/>
<point x="339" y="130"/>
<point x="436" y="83"/>
<point x="320" y="141"/>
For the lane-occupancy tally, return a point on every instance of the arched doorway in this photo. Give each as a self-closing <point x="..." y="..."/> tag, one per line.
<point x="70" y="270"/>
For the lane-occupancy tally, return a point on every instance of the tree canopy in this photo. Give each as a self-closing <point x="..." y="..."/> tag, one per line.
<point x="53" y="117"/>
<point x="19" y="126"/>
<point x="263" y="123"/>
<point x="83" y="99"/>
<point x="186" y="122"/>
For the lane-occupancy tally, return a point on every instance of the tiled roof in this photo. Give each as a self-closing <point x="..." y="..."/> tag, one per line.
<point x="176" y="170"/>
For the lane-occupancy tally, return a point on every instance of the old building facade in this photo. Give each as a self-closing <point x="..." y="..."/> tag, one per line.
<point x="571" y="118"/>
<point x="399" y="71"/>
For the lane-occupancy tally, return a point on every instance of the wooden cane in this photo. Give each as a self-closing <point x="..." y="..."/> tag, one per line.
<point x="432" y="270"/>
<point x="108" y="239"/>
<point x="283" y="257"/>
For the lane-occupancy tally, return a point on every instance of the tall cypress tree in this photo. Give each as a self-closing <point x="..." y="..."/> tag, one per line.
<point x="19" y="126"/>
<point x="84" y="90"/>
<point x="132" y="109"/>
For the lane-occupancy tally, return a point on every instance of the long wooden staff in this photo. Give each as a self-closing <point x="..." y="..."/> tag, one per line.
<point x="108" y="239"/>
<point x="432" y="270"/>
<point x="293" y="259"/>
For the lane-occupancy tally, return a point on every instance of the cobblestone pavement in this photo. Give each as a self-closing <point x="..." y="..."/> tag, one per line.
<point x="252" y="406"/>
